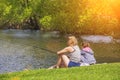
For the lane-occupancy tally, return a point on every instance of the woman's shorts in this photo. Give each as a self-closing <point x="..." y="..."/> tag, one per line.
<point x="73" y="64"/>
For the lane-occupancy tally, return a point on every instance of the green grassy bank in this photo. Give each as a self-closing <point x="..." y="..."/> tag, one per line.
<point x="94" y="72"/>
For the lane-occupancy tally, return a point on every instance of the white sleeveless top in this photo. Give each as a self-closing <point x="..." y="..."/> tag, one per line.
<point x="75" y="55"/>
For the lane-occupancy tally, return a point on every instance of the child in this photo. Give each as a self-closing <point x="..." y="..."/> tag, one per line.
<point x="87" y="54"/>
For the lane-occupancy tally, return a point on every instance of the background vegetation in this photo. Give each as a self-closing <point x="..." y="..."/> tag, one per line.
<point x="66" y="16"/>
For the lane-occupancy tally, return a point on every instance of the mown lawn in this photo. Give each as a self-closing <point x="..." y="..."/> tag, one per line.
<point x="95" y="72"/>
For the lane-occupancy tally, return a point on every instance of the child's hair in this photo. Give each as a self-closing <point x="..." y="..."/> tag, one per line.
<point x="85" y="44"/>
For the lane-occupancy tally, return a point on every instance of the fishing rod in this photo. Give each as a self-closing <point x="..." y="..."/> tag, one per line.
<point x="38" y="47"/>
<point x="45" y="49"/>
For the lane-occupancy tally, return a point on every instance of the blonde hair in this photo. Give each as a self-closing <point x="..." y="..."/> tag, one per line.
<point x="85" y="44"/>
<point x="73" y="39"/>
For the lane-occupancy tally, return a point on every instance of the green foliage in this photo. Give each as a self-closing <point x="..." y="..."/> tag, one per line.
<point x="46" y="22"/>
<point x="67" y="16"/>
<point x="96" y="72"/>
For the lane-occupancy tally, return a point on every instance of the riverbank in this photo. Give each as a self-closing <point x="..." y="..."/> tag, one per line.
<point x="95" y="72"/>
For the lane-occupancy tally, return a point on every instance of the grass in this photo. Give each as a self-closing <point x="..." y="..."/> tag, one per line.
<point x="94" y="72"/>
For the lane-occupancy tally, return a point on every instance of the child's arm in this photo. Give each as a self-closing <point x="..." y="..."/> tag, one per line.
<point x="82" y="52"/>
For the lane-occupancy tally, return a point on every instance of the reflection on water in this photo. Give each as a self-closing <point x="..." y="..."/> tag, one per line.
<point x="21" y="50"/>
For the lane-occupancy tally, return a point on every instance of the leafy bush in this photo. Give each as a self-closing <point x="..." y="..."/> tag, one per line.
<point x="66" y="16"/>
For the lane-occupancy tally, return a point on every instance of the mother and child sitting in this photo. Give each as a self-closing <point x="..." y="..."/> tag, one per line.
<point x="72" y="56"/>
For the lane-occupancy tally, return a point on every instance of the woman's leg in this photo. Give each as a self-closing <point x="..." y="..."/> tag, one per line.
<point x="62" y="58"/>
<point x="57" y="64"/>
<point x="59" y="61"/>
<point x="65" y="59"/>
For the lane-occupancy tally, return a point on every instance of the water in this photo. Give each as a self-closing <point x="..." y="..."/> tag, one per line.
<point x="20" y="50"/>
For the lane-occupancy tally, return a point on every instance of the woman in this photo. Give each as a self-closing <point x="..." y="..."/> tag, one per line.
<point x="87" y="54"/>
<point x="69" y="56"/>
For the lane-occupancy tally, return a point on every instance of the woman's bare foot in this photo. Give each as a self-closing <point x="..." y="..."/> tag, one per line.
<point x="54" y="67"/>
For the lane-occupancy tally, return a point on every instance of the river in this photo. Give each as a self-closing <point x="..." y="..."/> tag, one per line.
<point x="25" y="49"/>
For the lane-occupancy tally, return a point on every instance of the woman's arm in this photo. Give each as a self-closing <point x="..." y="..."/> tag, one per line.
<point x="65" y="50"/>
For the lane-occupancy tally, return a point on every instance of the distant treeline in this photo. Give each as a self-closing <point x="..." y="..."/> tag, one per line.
<point x="66" y="16"/>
